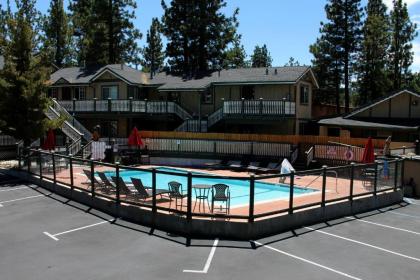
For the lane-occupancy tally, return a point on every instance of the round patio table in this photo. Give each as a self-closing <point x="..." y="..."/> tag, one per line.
<point x="202" y="192"/>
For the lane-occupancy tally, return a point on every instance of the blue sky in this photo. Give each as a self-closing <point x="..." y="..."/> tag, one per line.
<point x="288" y="27"/>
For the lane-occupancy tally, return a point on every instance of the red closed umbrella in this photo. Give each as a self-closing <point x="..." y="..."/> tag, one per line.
<point x="135" y="139"/>
<point x="49" y="142"/>
<point x="369" y="152"/>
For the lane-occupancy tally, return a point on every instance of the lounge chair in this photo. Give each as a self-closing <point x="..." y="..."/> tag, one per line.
<point x="107" y="184"/>
<point x="96" y="179"/>
<point x="124" y="189"/>
<point x="143" y="192"/>
<point x="253" y="166"/>
<point x="220" y="192"/>
<point x="235" y="165"/>
<point x="175" y="191"/>
<point x="272" y="167"/>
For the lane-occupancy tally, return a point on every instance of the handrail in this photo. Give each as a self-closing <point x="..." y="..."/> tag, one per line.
<point x="215" y="117"/>
<point x="193" y="126"/>
<point x="86" y="133"/>
<point x="310" y="155"/>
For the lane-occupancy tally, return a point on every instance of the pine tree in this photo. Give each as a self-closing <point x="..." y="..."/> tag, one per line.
<point x="105" y="30"/>
<point x="235" y="57"/>
<point x="261" y="57"/>
<point x="23" y="81"/>
<point x="292" y="62"/>
<point x="342" y="35"/>
<point x="58" y="34"/>
<point x="403" y="31"/>
<point x="328" y="70"/>
<point x="198" y="34"/>
<point x="153" y="54"/>
<point x="373" y="82"/>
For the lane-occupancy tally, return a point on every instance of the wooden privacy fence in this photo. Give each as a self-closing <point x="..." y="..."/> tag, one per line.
<point x="219" y="147"/>
<point x="293" y="139"/>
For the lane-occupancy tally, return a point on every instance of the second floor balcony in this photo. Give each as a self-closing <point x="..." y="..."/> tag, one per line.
<point x="259" y="107"/>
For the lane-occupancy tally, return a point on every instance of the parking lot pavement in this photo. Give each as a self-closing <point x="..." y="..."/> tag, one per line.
<point x="45" y="236"/>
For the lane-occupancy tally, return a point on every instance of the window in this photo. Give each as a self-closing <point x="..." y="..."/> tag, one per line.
<point x="247" y="92"/>
<point x="304" y="95"/>
<point x="207" y="97"/>
<point x="53" y="92"/>
<point x="110" y="92"/>
<point x="80" y="93"/>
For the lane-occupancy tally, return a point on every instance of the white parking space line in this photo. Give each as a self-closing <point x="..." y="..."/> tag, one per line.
<point x="365" y="244"/>
<point x="13" y="189"/>
<point x="384" y="226"/>
<point x="307" y="261"/>
<point x="19" y="199"/>
<point x="404" y="215"/>
<point x="208" y="262"/>
<point x="54" y="236"/>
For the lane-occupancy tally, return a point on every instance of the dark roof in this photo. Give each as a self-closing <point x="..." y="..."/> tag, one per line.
<point x="343" y="122"/>
<point x="1" y="62"/>
<point x="275" y="75"/>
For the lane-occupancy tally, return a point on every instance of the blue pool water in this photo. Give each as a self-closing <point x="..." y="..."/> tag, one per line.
<point x="239" y="189"/>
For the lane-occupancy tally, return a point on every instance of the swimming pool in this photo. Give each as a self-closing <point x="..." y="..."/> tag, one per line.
<point x="239" y="189"/>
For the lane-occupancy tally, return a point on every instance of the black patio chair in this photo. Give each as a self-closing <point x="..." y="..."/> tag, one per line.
<point x="221" y="193"/>
<point x="175" y="191"/>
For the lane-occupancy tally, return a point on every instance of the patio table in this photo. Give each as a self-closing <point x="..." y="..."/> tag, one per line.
<point x="202" y="192"/>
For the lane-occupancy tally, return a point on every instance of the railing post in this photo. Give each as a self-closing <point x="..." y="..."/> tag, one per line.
<point x="404" y="147"/>
<point x="189" y="196"/>
<point x="375" y="183"/>
<point x="71" y="172"/>
<point x="145" y="105"/>
<point x="154" y="210"/>
<point x="19" y="156"/>
<point x="109" y="104"/>
<point x="94" y="104"/>
<point x="131" y="104"/>
<point x="402" y="173"/>
<point x="92" y="178"/>
<point x="291" y="190"/>
<point x="40" y="164"/>
<point x="53" y="164"/>
<point x="324" y="184"/>
<point x="28" y="160"/>
<point x="351" y="181"/>
<point x="396" y="176"/>
<point x="242" y="105"/>
<point x="74" y="104"/>
<point x="167" y="106"/>
<point x="251" y="198"/>
<point x="261" y="106"/>
<point x="283" y="106"/>
<point x="223" y="106"/>
<point x="117" y="183"/>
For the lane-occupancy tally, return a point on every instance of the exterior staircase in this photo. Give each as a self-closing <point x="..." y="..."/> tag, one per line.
<point x="192" y="125"/>
<point x="72" y="128"/>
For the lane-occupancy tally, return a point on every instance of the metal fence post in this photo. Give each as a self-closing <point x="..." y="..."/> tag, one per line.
<point x="117" y="183"/>
<point x="71" y="172"/>
<point x="109" y="104"/>
<point x="19" y="156"/>
<point x="40" y="165"/>
<point x="92" y="178"/>
<point x="351" y="181"/>
<point x="242" y="105"/>
<point x="53" y="164"/>
<point x="154" y="210"/>
<point x="189" y="196"/>
<point x="375" y="183"/>
<point x="145" y="105"/>
<point x="261" y="106"/>
<point x="324" y="184"/>
<point x="402" y="172"/>
<point x="396" y="176"/>
<point x="251" y="198"/>
<point x="291" y="190"/>
<point x="29" y="160"/>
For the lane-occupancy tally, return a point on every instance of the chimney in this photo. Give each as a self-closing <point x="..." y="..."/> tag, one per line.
<point x="275" y="71"/>
<point x="266" y="71"/>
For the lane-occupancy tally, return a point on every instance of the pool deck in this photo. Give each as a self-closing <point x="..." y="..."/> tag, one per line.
<point x="335" y="189"/>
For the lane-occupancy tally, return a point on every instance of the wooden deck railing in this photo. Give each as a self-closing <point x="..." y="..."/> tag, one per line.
<point x="124" y="106"/>
<point x="259" y="107"/>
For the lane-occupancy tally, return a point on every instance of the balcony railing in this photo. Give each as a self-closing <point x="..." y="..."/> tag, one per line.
<point x="124" y="106"/>
<point x="259" y="107"/>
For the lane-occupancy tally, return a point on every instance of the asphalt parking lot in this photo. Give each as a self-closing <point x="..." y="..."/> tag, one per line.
<point x="45" y="236"/>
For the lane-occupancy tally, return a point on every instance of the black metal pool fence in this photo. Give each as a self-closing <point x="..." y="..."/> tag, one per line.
<point x="375" y="178"/>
